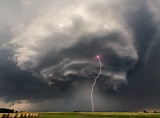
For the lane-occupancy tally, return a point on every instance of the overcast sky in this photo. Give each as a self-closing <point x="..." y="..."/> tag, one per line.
<point x="48" y="52"/>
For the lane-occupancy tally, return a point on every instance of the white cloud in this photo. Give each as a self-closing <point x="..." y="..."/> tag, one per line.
<point x="61" y="25"/>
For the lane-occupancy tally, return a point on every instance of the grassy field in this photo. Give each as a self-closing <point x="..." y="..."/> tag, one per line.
<point x="99" y="115"/>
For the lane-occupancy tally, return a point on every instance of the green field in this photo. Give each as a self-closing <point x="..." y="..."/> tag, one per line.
<point x="99" y="115"/>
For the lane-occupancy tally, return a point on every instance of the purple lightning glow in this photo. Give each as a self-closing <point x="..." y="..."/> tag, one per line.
<point x="98" y="57"/>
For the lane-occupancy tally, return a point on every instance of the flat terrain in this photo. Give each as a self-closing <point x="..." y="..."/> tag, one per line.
<point x="98" y="115"/>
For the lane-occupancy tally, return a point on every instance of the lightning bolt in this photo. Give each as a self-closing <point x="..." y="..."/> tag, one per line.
<point x="94" y="83"/>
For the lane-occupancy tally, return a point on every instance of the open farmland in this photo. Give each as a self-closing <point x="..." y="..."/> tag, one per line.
<point x="82" y="115"/>
<point x="99" y="115"/>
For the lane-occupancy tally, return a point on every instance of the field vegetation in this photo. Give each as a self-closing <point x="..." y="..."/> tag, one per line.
<point x="99" y="115"/>
<point x="81" y="115"/>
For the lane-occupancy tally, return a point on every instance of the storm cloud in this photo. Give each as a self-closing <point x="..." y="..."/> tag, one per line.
<point x="63" y="48"/>
<point x="50" y="54"/>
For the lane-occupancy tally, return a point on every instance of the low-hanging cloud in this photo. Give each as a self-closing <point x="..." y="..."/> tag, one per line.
<point x="61" y="46"/>
<point x="48" y="54"/>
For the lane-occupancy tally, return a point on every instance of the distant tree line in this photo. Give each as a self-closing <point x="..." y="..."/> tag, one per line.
<point x="103" y="111"/>
<point x="150" y="112"/>
<point x="4" y="110"/>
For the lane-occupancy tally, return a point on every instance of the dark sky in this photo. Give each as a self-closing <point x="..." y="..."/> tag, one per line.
<point x="48" y="54"/>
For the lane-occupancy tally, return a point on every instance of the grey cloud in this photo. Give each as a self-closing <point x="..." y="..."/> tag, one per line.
<point x="70" y="47"/>
<point x="16" y="85"/>
<point x="59" y="47"/>
<point x="142" y="91"/>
